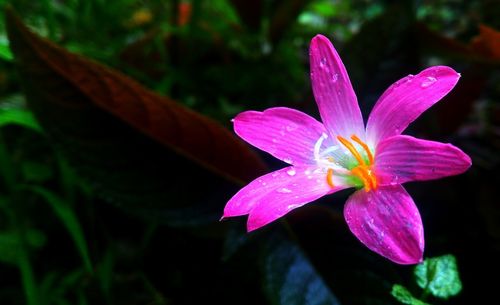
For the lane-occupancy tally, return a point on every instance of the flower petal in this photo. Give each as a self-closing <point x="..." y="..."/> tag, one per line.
<point x="287" y="134"/>
<point x="402" y="158"/>
<point x="387" y="221"/>
<point x="275" y="194"/>
<point x="406" y="99"/>
<point x="333" y="91"/>
<point x="306" y="186"/>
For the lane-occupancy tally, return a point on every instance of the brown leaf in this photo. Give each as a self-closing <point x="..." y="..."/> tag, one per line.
<point x="180" y="129"/>
<point x="487" y="42"/>
<point x="483" y="49"/>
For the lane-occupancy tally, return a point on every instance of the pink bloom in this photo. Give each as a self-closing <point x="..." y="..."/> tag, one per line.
<point x="342" y="153"/>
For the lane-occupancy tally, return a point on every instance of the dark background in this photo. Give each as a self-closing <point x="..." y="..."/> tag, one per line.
<point x="101" y="204"/>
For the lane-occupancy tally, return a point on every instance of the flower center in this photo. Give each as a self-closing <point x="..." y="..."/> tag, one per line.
<point x="363" y="170"/>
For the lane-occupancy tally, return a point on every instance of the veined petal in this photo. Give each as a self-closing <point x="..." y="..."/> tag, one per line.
<point x="406" y="99"/>
<point x="402" y="158"/>
<point x="296" y="193"/>
<point x="273" y="195"/>
<point x="333" y="91"/>
<point x="387" y="221"/>
<point x="287" y="134"/>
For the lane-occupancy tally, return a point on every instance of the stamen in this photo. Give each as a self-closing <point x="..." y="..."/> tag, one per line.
<point x="365" y="147"/>
<point x="352" y="149"/>
<point x="329" y="178"/>
<point x="362" y="174"/>
<point x="317" y="146"/>
<point x="373" y="179"/>
<point x="365" y="174"/>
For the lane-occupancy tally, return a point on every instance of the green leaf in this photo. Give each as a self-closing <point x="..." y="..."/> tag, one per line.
<point x="13" y="111"/>
<point x="404" y="296"/>
<point x="70" y="221"/>
<point x="290" y="278"/>
<point x="22" y="118"/>
<point x="439" y="276"/>
<point x="5" y="52"/>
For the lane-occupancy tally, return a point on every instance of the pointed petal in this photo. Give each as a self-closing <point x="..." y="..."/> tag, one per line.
<point x="333" y="91"/>
<point x="305" y="187"/>
<point x="275" y="194"/>
<point x="287" y="134"/>
<point x="402" y="158"/>
<point x="387" y="221"/>
<point x="406" y="99"/>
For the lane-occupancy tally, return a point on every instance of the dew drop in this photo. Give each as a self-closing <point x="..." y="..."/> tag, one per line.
<point x="335" y="77"/>
<point x="291" y="172"/>
<point x="284" y="190"/>
<point x="274" y="140"/>
<point x="429" y="81"/>
<point x="288" y="160"/>
<point x="291" y="127"/>
<point x="322" y="61"/>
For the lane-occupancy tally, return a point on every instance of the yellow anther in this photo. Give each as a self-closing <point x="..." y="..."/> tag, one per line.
<point x="352" y="149"/>
<point x="329" y="178"/>
<point x="362" y="171"/>
<point x="365" y="147"/>
<point x="362" y="174"/>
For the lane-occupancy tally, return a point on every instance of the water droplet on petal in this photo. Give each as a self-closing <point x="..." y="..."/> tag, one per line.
<point x="291" y="127"/>
<point x="284" y="190"/>
<point x="335" y="77"/>
<point x="322" y="62"/>
<point x="288" y="160"/>
<point x="274" y="140"/>
<point x="291" y="172"/>
<point x="429" y="81"/>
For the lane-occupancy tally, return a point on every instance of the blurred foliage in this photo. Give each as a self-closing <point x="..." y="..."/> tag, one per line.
<point x="97" y="207"/>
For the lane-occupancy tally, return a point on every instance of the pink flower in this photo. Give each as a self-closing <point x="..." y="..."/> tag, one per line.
<point x="342" y="153"/>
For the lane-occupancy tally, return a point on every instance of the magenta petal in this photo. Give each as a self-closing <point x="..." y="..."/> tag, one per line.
<point x="406" y="99"/>
<point x="281" y="180"/>
<point x="285" y="133"/>
<point x="387" y="221"/>
<point x="273" y="195"/>
<point x="402" y="158"/>
<point x="333" y="91"/>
